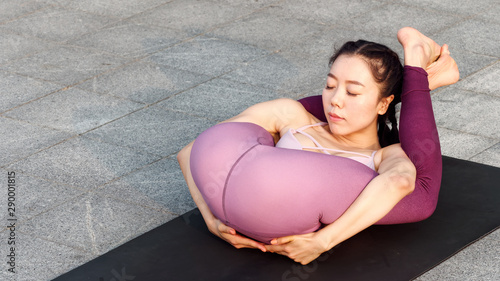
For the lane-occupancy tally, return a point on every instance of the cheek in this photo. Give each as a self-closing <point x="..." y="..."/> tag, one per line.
<point x="364" y="111"/>
<point x="326" y="98"/>
<point x="364" y="106"/>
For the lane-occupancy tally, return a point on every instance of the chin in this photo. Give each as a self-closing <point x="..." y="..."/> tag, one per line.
<point x="335" y="130"/>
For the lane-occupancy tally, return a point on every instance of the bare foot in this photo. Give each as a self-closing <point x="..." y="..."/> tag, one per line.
<point x="419" y="50"/>
<point x="443" y="71"/>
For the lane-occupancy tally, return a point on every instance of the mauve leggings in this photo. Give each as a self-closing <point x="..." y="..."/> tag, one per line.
<point x="266" y="192"/>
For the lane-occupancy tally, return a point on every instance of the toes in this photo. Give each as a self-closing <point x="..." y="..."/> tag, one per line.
<point x="445" y="50"/>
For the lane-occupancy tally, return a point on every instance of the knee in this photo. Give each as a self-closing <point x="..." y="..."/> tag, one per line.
<point x="403" y="179"/>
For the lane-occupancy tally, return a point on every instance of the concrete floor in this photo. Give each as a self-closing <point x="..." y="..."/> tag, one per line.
<point x="98" y="96"/>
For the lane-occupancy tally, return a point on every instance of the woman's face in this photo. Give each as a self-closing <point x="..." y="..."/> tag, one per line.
<point x="351" y="98"/>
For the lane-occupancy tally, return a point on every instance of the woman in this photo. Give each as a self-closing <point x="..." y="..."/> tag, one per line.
<point x="362" y="87"/>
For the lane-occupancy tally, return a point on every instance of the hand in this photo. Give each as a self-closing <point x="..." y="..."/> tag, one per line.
<point x="301" y="248"/>
<point x="229" y="235"/>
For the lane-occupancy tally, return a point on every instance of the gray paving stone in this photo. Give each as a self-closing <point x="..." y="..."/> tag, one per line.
<point x="332" y="39"/>
<point x="131" y="40"/>
<point x="144" y="82"/>
<point x="39" y="259"/>
<point x="160" y="186"/>
<point x="12" y="9"/>
<point x="134" y="196"/>
<point x="467" y="61"/>
<point x="491" y="13"/>
<point x="327" y="41"/>
<point x="15" y="46"/>
<point x="34" y="196"/>
<point x="467" y="112"/>
<point x="485" y="81"/>
<point x="110" y="8"/>
<point x="490" y="156"/>
<point x="66" y="65"/>
<point x="83" y="163"/>
<point x="271" y="29"/>
<point x="327" y="11"/>
<point x="388" y="19"/>
<point x="466" y="7"/>
<point x="57" y="24"/>
<point x="475" y="36"/>
<point x="20" y="139"/>
<point x="203" y="15"/>
<point x="94" y="223"/>
<point x="462" y="145"/>
<point x="285" y="72"/>
<point x="17" y="90"/>
<point x="154" y="130"/>
<point x="210" y="56"/>
<point x="218" y="99"/>
<point x="73" y="110"/>
<point x="478" y="261"/>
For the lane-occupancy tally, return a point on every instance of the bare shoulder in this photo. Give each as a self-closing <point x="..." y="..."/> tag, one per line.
<point x="289" y="113"/>
<point x="272" y="115"/>
<point x="287" y="104"/>
<point x="289" y="108"/>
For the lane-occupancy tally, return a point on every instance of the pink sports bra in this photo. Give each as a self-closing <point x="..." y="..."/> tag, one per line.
<point x="288" y="140"/>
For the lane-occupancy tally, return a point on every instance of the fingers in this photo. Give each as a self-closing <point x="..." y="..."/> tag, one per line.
<point x="238" y="241"/>
<point x="278" y="249"/>
<point x="283" y="240"/>
<point x="243" y="242"/>
<point x="226" y="229"/>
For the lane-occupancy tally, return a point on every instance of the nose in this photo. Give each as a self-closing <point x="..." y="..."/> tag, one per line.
<point x="337" y="99"/>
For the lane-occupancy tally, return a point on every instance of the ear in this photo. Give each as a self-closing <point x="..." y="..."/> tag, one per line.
<point x="383" y="105"/>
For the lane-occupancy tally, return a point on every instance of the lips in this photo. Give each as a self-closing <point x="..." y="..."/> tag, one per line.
<point x="334" y="117"/>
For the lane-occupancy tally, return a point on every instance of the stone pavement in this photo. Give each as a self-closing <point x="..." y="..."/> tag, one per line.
<point x="98" y="96"/>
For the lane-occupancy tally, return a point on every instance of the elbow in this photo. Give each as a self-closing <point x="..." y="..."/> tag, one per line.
<point x="180" y="155"/>
<point x="184" y="153"/>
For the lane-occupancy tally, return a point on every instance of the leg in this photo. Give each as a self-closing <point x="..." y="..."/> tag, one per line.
<point x="266" y="192"/>
<point x="418" y="131"/>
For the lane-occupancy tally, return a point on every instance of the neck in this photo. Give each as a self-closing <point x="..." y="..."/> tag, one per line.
<point x="366" y="139"/>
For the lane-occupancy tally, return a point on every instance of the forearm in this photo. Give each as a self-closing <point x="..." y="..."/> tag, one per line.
<point x="376" y="200"/>
<point x="183" y="157"/>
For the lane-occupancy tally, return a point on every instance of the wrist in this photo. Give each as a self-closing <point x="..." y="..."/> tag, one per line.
<point x="325" y="239"/>
<point x="210" y="221"/>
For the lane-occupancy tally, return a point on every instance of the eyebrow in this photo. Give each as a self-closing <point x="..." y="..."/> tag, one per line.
<point x="348" y="81"/>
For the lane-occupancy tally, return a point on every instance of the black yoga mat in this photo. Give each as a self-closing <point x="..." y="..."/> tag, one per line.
<point x="183" y="249"/>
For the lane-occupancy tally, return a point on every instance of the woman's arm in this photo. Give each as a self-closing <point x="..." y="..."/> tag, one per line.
<point x="272" y="116"/>
<point x="419" y="140"/>
<point x="396" y="180"/>
<point x="214" y="225"/>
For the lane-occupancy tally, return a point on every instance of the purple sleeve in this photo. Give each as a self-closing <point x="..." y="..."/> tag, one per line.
<point x="419" y="139"/>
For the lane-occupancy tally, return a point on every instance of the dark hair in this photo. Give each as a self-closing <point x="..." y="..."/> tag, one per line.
<point x="387" y="71"/>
